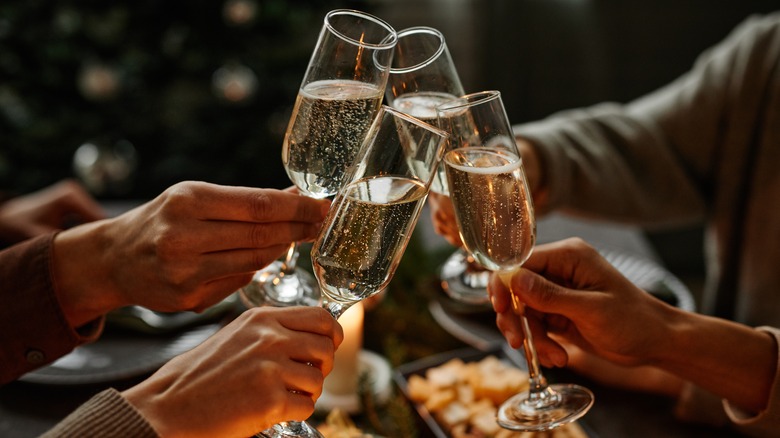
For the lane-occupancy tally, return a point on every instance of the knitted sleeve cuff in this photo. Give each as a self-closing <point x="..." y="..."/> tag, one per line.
<point x="107" y="414"/>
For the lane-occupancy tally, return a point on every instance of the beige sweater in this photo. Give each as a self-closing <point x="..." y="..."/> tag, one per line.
<point x="106" y="414"/>
<point x="706" y="149"/>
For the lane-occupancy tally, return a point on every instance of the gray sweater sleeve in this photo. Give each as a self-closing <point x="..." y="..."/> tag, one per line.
<point x="603" y="162"/>
<point x="107" y="414"/>
<point x="660" y="159"/>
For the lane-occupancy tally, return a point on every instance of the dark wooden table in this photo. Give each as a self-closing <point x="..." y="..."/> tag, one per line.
<point x="29" y="409"/>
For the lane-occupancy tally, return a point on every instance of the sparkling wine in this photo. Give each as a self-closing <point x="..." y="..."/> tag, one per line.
<point x="494" y="210"/>
<point x="422" y="106"/>
<point x="327" y="127"/>
<point x="358" y="251"/>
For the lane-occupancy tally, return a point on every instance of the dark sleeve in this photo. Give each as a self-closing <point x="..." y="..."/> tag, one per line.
<point x="107" y="414"/>
<point x="33" y="328"/>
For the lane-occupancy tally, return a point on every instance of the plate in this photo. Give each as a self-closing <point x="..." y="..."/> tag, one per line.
<point x="142" y="320"/>
<point x="135" y="341"/>
<point x="651" y="277"/>
<point x="118" y="355"/>
<point x="647" y="274"/>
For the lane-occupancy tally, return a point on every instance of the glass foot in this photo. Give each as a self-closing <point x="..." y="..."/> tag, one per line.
<point x="290" y="429"/>
<point x="568" y="403"/>
<point x="464" y="280"/>
<point x="272" y="287"/>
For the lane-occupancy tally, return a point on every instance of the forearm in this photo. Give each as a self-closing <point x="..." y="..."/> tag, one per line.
<point x="82" y="274"/>
<point x="603" y="162"/>
<point x="733" y="361"/>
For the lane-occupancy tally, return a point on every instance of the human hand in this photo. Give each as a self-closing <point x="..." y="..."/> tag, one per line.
<point x="574" y="295"/>
<point x="187" y="249"/>
<point x="443" y="218"/>
<point x="46" y="210"/>
<point x="532" y="166"/>
<point x="248" y="376"/>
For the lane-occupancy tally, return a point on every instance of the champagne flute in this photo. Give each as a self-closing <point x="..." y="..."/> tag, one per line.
<point x="422" y="77"/>
<point x="372" y="217"/>
<point x="495" y="218"/>
<point x="339" y="97"/>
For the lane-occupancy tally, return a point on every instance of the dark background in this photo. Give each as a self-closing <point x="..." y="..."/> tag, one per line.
<point x="160" y="64"/>
<point x="164" y="59"/>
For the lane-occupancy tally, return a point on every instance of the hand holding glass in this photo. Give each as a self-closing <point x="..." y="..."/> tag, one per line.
<point x="495" y="217"/>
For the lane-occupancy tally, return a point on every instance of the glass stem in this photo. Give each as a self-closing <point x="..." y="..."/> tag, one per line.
<point x="300" y="429"/>
<point x="290" y="260"/>
<point x="292" y="429"/>
<point x="539" y="393"/>
<point x="335" y="308"/>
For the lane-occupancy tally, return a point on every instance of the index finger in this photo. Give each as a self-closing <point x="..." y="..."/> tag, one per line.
<point x="314" y="320"/>
<point x="571" y="262"/>
<point x="258" y="205"/>
<point x="499" y="294"/>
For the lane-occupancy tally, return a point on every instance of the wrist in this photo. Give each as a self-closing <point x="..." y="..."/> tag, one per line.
<point x="733" y="361"/>
<point x="81" y="273"/>
<point x="145" y="398"/>
<point x="676" y="331"/>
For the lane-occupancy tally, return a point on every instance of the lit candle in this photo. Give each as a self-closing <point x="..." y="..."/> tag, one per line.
<point x="343" y="379"/>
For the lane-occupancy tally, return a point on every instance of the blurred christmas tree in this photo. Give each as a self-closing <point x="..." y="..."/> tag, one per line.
<point x="190" y="89"/>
